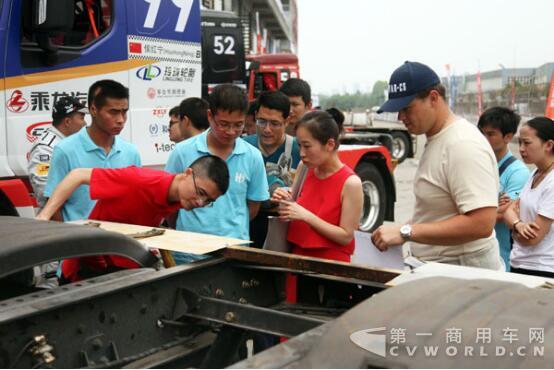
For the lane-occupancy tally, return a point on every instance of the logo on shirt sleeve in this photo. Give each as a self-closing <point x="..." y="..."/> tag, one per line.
<point x="42" y="169"/>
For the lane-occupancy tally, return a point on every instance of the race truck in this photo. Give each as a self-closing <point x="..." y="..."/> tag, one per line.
<point x="56" y="48"/>
<point x="359" y="127"/>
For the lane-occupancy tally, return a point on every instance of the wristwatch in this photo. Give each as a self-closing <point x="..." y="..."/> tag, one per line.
<point x="514" y="224"/>
<point x="406" y="232"/>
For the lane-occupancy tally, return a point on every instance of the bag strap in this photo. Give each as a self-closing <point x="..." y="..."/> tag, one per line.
<point x="506" y="164"/>
<point x="300" y="177"/>
<point x="288" y="146"/>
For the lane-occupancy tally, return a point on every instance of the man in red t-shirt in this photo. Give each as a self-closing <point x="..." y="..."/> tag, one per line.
<point x="139" y="196"/>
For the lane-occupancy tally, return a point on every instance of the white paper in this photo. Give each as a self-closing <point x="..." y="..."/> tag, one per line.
<point x="366" y="253"/>
<point x="433" y="269"/>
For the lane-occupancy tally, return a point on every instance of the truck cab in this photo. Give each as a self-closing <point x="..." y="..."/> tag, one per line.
<point x="58" y="48"/>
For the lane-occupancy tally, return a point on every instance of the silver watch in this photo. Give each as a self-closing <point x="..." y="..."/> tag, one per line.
<point x="406" y="232"/>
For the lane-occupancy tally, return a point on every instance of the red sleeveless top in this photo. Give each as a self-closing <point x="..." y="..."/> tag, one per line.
<point x="322" y="198"/>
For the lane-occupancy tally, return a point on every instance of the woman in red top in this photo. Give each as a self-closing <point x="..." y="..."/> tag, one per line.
<point x="327" y="211"/>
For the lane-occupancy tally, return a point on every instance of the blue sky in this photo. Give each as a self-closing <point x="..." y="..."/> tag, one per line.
<point x="346" y="45"/>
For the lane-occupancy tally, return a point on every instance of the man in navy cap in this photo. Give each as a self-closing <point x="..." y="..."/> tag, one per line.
<point x="456" y="183"/>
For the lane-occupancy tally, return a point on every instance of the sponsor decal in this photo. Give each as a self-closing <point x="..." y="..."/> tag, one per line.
<point x="164" y="147"/>
<point x="149" y="72"/>
<point x="41" y="100"/>
<point x="135" y="47"/>
<point x="153" y="129"/>
<point x="17" y="103"/>
<point x="166" y="93"/>
<point x="180" y="74"/>
<point x="35" y="131"/>
<point x="159" y="112"/>
<point x="157" y="129"/>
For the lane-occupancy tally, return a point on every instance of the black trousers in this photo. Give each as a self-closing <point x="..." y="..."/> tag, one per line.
<point x="546" y="274"/>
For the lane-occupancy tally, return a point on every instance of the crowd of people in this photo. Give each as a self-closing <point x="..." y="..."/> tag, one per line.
<point x="235" y="162"/>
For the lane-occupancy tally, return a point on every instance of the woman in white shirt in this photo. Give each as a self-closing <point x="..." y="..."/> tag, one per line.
<point x="531" y="216"/>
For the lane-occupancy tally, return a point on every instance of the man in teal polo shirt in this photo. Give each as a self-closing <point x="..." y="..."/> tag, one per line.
<point x="95" y="146"/>
<point x="231" y="213"/>
<point x="279" y="151"/>
<point x="499" y="125"/>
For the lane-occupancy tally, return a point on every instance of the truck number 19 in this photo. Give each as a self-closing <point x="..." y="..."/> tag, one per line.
<point x="184" y="11"/>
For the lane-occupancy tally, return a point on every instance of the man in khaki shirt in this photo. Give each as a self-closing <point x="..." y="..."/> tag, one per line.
<point x="456" y="183"/>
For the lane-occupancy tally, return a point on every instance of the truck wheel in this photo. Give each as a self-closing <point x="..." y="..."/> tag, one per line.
<point x="400" y="145"/>
<point x="373" y="186"/>
<point x="6" y="207"/>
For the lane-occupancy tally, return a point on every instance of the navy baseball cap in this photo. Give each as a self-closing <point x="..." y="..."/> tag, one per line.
<point x="66" y="106"/>
<point x="405" y="83"/>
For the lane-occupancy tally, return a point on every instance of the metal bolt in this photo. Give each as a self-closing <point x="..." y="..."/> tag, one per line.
<point x="159" y="324"/>
<point x="242" y="301"/>
<point x="97" y="344"/>
<point x="229" y="316"/>
<point x="219" y="293"/>
<point x="254" y="282"/>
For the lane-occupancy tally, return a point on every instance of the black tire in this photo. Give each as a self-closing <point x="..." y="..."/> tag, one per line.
<point x="401" y="145"/>
<point x="375" y="202"/>
<point x="6" y="207"/>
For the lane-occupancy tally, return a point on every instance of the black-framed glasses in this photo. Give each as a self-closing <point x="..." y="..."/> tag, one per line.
<point x="260" y="122"/>
<point x="201" y="194"/>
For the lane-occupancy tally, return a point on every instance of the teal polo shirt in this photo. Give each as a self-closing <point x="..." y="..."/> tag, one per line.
<point x="511" y="182"/>
<point x="79" y="151"/>
<point x="229" y="214"/>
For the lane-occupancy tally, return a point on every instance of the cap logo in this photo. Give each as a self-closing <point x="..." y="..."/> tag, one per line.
<point x="398" y="88"/>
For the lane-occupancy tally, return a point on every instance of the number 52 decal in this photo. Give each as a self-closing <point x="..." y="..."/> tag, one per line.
<point x="184" y="12"/>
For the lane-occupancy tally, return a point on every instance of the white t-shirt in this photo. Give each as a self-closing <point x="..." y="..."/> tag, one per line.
<point x="457" y="173"/>
<point x="539" y="200"/>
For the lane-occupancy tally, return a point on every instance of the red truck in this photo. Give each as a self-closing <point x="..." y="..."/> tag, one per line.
<point x="373" y="163"/>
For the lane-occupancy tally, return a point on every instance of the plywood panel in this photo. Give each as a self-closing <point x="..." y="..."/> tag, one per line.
<point x="173" y="240"/>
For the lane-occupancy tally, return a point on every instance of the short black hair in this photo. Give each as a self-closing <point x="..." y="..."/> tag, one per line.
<point x="174" y="111"/>
<point x="228" y="98"/>
<point x="297" y="87"/>
<point x="213" y="168"/>
<point x="322" y="126"/>
<point x="275" y="100"/>
<point x="196" y="109"/>
<point x="544" y="127"/>
<point x="501" y="118"/>
<point x="101" y="90"/>
<point x="338" y="116"/>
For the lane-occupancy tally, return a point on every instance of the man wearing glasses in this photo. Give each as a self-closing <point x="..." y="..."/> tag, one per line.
<point x="231" y="214"/>
<point x="139" y="196"/>
<point x="279" y="150"/>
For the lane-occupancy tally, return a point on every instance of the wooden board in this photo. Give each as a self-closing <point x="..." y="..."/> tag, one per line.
<point x="173" y="240"/>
